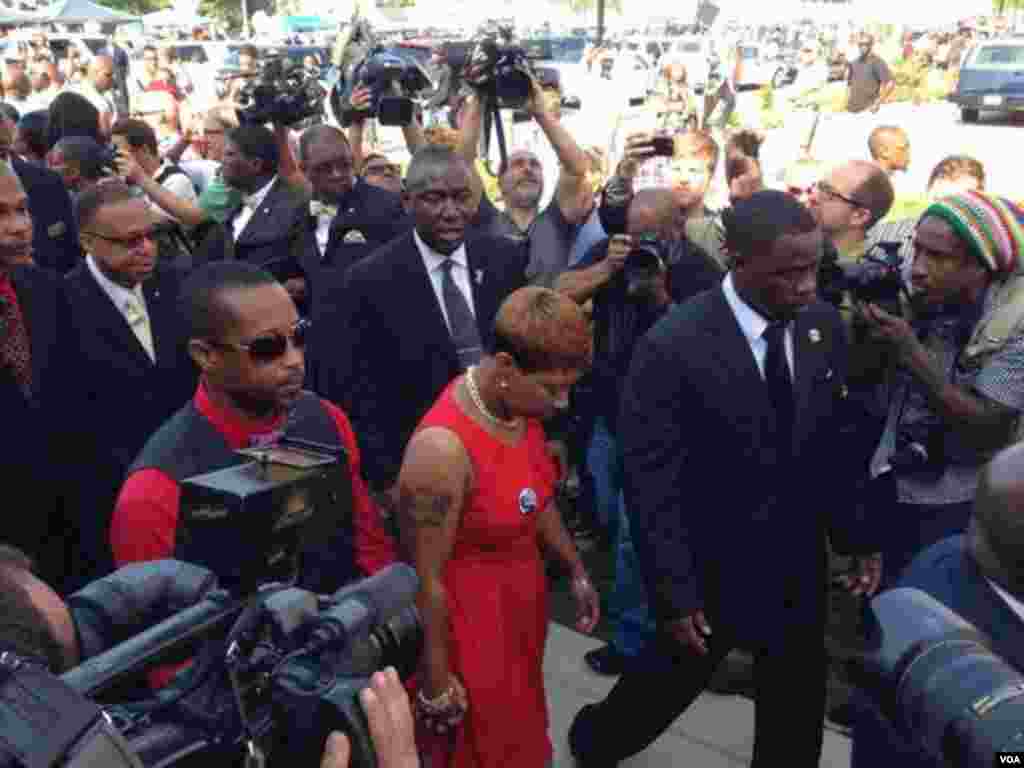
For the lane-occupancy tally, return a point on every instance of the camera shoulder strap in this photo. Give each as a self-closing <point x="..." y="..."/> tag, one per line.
<point x="1003" y="320"/>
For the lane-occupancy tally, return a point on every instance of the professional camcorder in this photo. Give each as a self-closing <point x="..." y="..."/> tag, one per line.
<point x="364" y="63"/>
<point x="497" y="66"/>
<point x="642" y="267"/>
<point x="874" y="279"/>
<point x="284" y="93"/>
<point x="934" y="677"/>
<point x="272" y="674"/>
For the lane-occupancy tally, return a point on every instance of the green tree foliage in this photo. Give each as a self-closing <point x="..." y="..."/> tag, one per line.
<point x="590" y="6"/>
<point x="137" y="7"/>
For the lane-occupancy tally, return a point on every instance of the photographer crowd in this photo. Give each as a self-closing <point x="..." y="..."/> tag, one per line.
<point x="773" y="395"/>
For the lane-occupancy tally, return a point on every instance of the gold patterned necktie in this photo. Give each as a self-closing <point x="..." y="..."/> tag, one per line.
<point x="15" y="349"/>
<point x="139" y="323"/>
<point x="318" y="209"/>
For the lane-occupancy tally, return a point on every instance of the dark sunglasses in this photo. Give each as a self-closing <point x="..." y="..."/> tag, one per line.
<point x="128" y="243"/>
<point x="266" y="349"/>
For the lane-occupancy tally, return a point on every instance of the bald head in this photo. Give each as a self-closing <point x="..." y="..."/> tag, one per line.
<point x="542" y="330"/>
<point x="101" y="73"/>
<point x="997" y="527"/>
<point x="890" y="148"/>
<point x="872" y="188"/>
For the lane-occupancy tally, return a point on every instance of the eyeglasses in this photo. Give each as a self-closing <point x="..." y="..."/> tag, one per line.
<point x="832" y="193"/>
<point x="128" y="243"/>
<point x="382" y="169"/>
<point x="266" y="349"/>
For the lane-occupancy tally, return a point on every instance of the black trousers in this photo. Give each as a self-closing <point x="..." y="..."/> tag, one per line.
<point x="647" y="699"/>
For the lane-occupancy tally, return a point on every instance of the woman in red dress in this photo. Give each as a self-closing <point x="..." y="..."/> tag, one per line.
<point x="476" y="499"/>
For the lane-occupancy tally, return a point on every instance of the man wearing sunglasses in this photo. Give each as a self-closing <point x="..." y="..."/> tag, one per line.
<point x="248" y="342"/>
<point x="134" y="372"/>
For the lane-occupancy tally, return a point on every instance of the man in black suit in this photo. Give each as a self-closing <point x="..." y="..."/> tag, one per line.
<point x="35" y="362"/>
<point x="727" y="424"/>
<point x="135" y="371"/>
<point x="415" y="313"/>
<point x="348" y="218"/>
<point x="268" y="228"/>
<point x="55" y="234"/>
<point x="977" y="575"/>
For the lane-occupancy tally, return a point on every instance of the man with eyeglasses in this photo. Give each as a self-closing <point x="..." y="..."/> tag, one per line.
<point x="247" y="340"/>
<point x="380" y="172"/>
<point x="134" y="371"/>
<point x="348" y="217"/>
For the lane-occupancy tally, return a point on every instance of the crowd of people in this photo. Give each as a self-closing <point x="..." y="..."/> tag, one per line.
<point x="760" y="413"/>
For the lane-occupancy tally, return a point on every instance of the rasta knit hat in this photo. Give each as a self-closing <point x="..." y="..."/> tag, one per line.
<point x="992" y="227"/>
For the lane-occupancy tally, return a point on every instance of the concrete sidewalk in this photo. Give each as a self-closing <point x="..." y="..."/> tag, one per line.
<point x="717" y="731"/>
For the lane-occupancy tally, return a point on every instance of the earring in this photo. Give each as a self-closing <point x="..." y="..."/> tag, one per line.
<point x="503" y="385"/>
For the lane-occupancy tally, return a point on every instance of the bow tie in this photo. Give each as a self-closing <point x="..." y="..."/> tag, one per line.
<point x="318" y="209"/>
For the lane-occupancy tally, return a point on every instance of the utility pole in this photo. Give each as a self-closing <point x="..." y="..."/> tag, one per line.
<point x="246" y="32"/>
<point x="600" y="21"/>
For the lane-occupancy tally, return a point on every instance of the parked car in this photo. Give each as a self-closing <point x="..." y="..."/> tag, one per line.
<point x="991" y="79"/>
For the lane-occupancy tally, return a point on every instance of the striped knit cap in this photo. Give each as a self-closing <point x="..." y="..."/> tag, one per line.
<point x="992" y="227"/>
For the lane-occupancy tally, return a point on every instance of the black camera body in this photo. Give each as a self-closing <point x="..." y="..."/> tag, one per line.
<point x="498" y="66"/>
<point x="378" y="71"/>
<point x="873" y="280"/>
<point x="934" y="677"/>
<point x="272" y="675"/>
<point x="284" y="93"/>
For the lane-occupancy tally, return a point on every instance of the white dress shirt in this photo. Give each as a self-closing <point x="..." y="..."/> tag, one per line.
<point x="754" y="325"/>
<point x="123" y="298"/>
<point x="178" y="184"/>
<point x="249" y="205"/>
<point x="432" y="260"/>
<point x="323" y="231"/>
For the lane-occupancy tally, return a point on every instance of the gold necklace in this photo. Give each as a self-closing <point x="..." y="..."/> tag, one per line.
<point x="474" y="395"/>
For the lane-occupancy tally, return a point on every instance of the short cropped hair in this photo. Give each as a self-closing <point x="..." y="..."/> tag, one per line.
<point x="85" y="153"/>
<point x="138" y="133"/>
<point x="316" y="134"/>
<point x="876" y="194"/>
<point x="23" y="628"/>
<point x="33" y="128"/>
<point x="200" y="305"/>
<point x="108" y="192"/>
<point x="257" y="143"/>
<point x="541" y="330"/>
<point x="956" y="167"/>
<point x="879" y="136"/>
<point x="428" y="164"/>
<point x="753" y="224"/>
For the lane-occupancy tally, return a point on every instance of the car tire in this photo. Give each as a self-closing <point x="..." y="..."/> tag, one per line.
<point x="969" y="115"/>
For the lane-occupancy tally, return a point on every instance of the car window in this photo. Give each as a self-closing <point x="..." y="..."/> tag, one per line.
<point x="191" y="54"/>
<point x="748" y="52"/>
<point x="996" y="55"/>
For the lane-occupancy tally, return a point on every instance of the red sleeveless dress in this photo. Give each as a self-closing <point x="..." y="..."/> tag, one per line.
<point x="497" y="596"/>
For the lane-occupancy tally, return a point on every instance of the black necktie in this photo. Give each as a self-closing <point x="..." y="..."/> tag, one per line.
<point x="465" y="335"/>
<point x="780" y="385"/>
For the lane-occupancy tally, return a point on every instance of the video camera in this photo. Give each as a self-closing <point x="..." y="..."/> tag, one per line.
<point x="934" y="677"/>
<point x="273" y="674"/>
<point x="874" y="279"/>
<point x="497" y="66"/>
<point x="643" y="265"/>
<point x="284" y="93"/>
<point x="378" y="72"/>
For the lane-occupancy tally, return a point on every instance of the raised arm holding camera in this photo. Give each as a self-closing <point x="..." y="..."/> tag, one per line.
<point x="959" y="389"/>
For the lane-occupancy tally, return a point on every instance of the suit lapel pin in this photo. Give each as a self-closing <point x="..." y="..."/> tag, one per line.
<point x="56" y="229"/>
<point x="354" y="236"/>
<point x="478" y="275"/>
<point x="814" y="335"/>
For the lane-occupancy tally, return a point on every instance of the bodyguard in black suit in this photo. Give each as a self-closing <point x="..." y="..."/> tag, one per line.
<point x="348" y="218"/>
<point x="979" y="577"/>
<point x="55" y="233"/>
<point x="391" y="347"/>
<point x="129" y="380"/>
<point x="727" y="426"/>
<point x="267" y="230"/>
<point x="36" y="368"/>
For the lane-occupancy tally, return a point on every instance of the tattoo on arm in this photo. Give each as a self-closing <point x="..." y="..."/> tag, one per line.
<point x="425" y="509"/>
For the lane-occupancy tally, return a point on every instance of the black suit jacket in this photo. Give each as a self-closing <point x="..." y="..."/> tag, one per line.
<point x="34" y="457"/>
<point x="272" y="238"/>
<point x="722" y="520"/>
<point x="54" y="230"/>
<point x="367" y="218"/>
<point x="123" y="396"/>
<point x="386" y="353"/>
